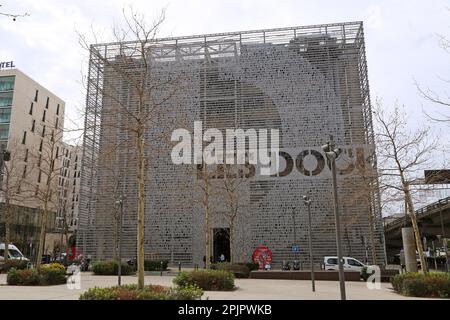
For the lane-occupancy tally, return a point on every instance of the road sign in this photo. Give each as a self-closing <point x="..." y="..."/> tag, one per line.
<point x="295" y="249"/>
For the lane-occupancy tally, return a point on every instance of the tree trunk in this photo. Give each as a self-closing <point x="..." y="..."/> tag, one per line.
<point x="412" y="215"/>
<point x="231" y="237"/>
<point x="42" y="238"/>
<point x="207" y="226"/>
<point x="141" y="209"/>
<point x="7" y="227"/>
<point x="371" y="232"/>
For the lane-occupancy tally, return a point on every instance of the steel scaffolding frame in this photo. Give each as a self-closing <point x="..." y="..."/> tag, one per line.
<point x="345" y="40"/>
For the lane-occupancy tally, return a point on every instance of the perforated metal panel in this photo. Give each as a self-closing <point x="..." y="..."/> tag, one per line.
<point x="308" y="82"/>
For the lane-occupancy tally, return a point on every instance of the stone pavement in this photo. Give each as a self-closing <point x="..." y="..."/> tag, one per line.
<point x="248" y="289"/>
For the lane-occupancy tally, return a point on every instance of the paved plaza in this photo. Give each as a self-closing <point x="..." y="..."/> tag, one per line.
<point x="247" y="289"/>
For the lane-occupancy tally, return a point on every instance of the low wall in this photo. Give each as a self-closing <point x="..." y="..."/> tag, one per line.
<point x="305" y="275"/>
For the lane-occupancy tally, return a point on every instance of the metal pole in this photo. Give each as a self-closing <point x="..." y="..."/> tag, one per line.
<point x="444" y="240"/>
<point x="332" y="152"/>
<point x="338" y="231"/>
<point x="311" y="257"/>
<point x="120" y="243"/>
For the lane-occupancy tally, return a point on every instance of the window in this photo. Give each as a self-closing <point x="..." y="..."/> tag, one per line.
<point x="46" y="104"/>
<point x="4" y="131"/>
<point x="56" y="123"/>
<point x="43" y="115"/>
<point x="31" y="109"/>
<point x="43" y="131"/>
<point x="24" y="174"/>
<point x="36" y="96"/>
<point x="332" y="261"/>
<point x="6" y="99"/>
<point x="353" y="262"/>
<point x="39" y="176"/>
<point x="57" y="109"/>
<point x="24" y="138"/>
<point x="5" y="115"/>
<point x="26" y="156"/>
<point x="33" y="125"/>
<point x="40" y="145"/>
<point x="7" y="83"/>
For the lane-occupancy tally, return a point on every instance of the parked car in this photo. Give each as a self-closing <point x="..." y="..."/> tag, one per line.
<point x="350" y="264"/>
<point x="13" y="253"/>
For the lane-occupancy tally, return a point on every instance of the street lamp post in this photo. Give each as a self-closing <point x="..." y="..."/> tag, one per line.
<point x="119" y="243"/>
<point x="307" y="201"/>
<point x="332" y="152"/>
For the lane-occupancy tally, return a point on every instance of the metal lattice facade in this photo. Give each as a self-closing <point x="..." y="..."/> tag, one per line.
<point x="308" y="82"/>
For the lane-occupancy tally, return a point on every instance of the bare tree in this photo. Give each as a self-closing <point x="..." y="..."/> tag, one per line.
<point x="13" y="188"/>
<point x="435" y="97"/>
<point x="13" y="16"/>
<point x="48" y="158"/>
<point x="205" y="178"/>
<point x="233" y="181"/>
<point x="138" y="119"/>
<point x="403" y="154"/>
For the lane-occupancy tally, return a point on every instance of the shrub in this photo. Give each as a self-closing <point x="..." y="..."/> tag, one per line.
<point x="108" y="268"/>
<point x="53" y="274"/>
<point x="16" y="264"/>
<point x="150" y="292"/>
<point x="432" y="284"/>
<point x="28" y="277"/>
<point x="252" y="265"/>
<point x="239" y="270"/>
<point x="153" y="265"/>
<point x="213" y="280"/>
<point x="13" y="277"/>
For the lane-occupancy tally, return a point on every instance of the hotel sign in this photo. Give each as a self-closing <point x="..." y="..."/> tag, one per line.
<point x="7" y="65"/>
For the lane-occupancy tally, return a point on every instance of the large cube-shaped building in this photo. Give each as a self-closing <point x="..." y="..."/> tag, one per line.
<point x="308" y="82"/>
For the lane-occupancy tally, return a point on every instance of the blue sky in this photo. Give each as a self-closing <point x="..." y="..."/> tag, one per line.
<point x="401" y="39"/>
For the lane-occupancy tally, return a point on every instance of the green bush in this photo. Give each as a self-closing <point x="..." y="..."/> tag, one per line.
<point x="153" y="265"/>
<point x="239" y="270"/>
<point x="252" y="265"/>
<point x="16" y="264"/>
<point x="212" y="280"/>
<point x="13" y="278"/>
<point x="109" y="268"/>
<point x="150" y="292"/>
<point x="28" y="277"/>
<point x="432" y="284"/>
<point x="53" y="274"/>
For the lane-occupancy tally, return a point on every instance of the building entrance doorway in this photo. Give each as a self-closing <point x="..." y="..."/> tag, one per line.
<point x="221" y="244"/>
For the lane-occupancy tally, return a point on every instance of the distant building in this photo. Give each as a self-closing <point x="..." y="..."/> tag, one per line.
<point x="31" y="117"/>
<point x="69" y="183"/>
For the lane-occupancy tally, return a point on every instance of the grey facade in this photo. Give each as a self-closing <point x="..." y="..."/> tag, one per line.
<point x="308" y="82"/>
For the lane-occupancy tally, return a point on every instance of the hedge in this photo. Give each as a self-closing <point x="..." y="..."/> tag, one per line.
<point x="433" y="284"/>
<point x="16" y="264"/>
<point x="150" y="292"/>
<point x="154" y="265"/>
<point x="239" y="270"/>
<point x="212" y="280"/>
<point x="52" y="274"/>
<point x="111" y="268"/>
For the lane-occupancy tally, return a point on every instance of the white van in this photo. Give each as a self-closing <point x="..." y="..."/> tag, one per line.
<point x="350" y="264"/>
<point x="13" y="253"/>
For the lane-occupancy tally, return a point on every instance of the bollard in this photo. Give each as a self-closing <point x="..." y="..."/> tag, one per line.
<point x="161" y="268"/>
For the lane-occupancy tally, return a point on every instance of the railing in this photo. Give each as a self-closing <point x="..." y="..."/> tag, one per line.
<point x="420" y="213"/>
